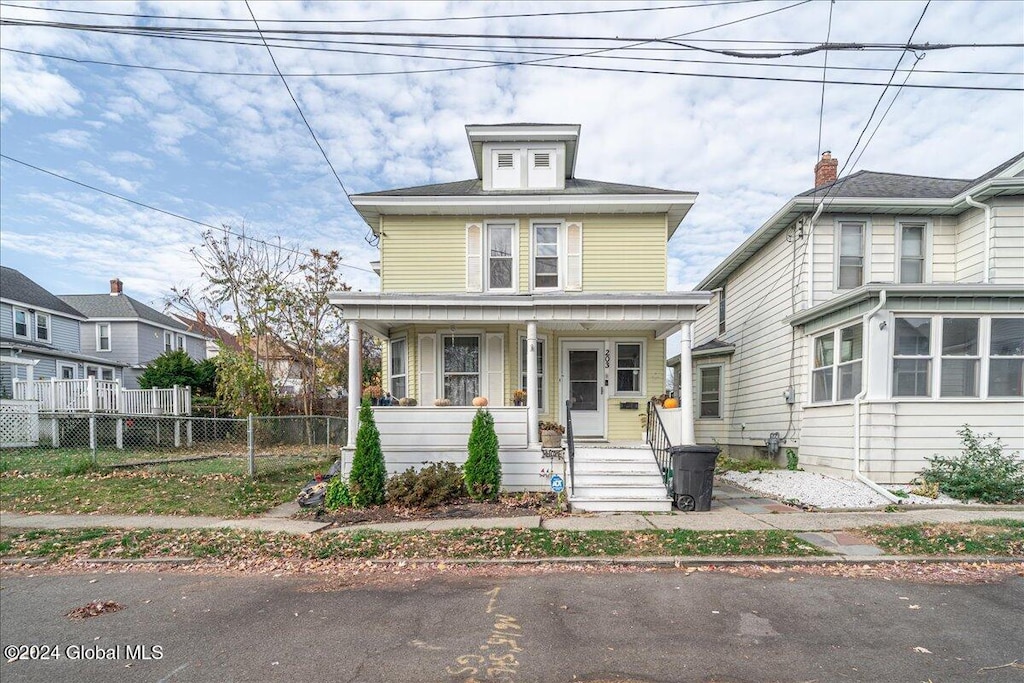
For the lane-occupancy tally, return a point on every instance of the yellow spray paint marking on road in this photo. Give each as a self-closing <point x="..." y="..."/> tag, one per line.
<point x="499" y="662"/>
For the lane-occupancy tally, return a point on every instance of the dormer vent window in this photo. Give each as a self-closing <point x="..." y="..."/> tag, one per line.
<point x="506" y="160"/>
<point x="542" y="160"/>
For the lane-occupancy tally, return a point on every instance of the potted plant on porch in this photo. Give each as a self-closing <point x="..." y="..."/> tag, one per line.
<point x="519" y="397"/>
<point x="551" y="434"/>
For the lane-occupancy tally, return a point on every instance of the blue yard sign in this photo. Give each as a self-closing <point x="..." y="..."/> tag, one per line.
<point x="557" y="484"/>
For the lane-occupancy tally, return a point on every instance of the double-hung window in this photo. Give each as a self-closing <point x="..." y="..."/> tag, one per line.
<point x="628" y="368"/>
<point x="168" y="341"/>
<point x="1006" y="357"/>
<point x="500" y="256"/>
<point x="912" y="252"/>
<point x="42" y="327"/>
<point x="461" y="368"/>
<point x="102" y="336"/>
<point x="961" y="360"/>
<point x="545" y="255"/>
<point x="180" y="339"/>
<point x="711" y="392"/>
<point x="852" y="241"/>
<point x="912" y="357"/>
<point x="399" y="374"/>
<point x="20" y="322"/>
<point x="837" y="376"/>
<point x="523" y="355"/>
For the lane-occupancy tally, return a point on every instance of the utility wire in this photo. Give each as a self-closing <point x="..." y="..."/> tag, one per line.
<point x="824" y="73"/>
<point x="224" y="229"/>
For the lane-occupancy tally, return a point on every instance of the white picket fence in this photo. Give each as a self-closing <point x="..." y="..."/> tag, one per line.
<point x="93" y="395"/>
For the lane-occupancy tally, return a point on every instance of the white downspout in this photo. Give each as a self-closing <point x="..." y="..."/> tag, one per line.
<point x="856" y="409"/>
<point x="988" y="231"/>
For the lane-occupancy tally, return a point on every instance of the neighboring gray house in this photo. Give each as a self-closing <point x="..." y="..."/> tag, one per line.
<point x="866" y="321"/>
<point x="125" y="330"/>
<point x="36" y="325"/>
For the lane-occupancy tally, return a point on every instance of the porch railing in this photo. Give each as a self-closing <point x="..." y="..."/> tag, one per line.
<point x="657" y="437"/>
<point x="93" y="395"/>
<point x="570" y="447"/>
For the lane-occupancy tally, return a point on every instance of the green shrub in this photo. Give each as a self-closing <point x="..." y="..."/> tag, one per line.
<point x="792" y="461"/>
<point x="337" y="495"/>
<point x="726" y="464"/>
<point x="434" y="485"/>
<point x="981" y="472"/>
<point x="367" y="479"/>
<point x="483" y="468"/>
<point x="78" y="466"/>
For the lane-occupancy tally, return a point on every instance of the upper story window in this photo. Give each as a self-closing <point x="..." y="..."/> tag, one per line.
<point x="837" y="376"/>
<point x="168" y="341"/>
<point x="42" y="327"/>
<point x="913" y="240"/>
<point x="545" y="255"/>
<point x="102" y="336"/>
<point x="399" y="374"/>
<point x="851" y="248"/>
<point x="20" y="322"/>
<point x="500" y="256"/>
<point x="180" y="342"/>
<point x="721" y="311"/>
<point x="628" y="368"/>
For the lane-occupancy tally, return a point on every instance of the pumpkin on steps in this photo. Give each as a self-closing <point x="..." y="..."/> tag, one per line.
<point x="671" y="403"/>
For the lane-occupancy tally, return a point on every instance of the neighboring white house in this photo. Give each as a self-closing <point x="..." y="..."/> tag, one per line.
<point x="881" y="305"/>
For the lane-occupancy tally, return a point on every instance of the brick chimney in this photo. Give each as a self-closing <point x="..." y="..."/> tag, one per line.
<point x="825" y="170"/>
<point x="201" y="317"/>
<point x="116" y="287"/>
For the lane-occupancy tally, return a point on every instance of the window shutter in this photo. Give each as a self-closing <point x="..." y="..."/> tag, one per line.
<point x="474" y="257"/>
<point x="495" y="368"/>
<point x="427" y="361"/>
<point x="574" y="257"/>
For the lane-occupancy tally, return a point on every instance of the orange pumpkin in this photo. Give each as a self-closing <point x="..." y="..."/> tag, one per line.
<point x="480" y="401"/>
<point x="671" y="403"/>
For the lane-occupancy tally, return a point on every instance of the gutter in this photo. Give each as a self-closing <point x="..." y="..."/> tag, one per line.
<point x="988" y="231"/>
<point x="856" y="410"/>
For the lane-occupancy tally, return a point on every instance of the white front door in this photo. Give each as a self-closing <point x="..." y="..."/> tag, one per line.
<point x="583" y="386"/>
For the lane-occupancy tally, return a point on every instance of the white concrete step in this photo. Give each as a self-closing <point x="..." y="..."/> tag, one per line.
<point x="612" y="479"/>
<point x="609" y="479"/>
<point x="613" y="466"/>
<point x="611" y="504"/>
<point x="613" y="454"/>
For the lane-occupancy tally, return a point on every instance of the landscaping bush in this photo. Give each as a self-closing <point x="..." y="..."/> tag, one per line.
<point x="337" y="495"/>
<point x="981" y="472"/>
<point x="368" y="477"/>
<point x="483" y="468"/>
<point x="434" y="485"/>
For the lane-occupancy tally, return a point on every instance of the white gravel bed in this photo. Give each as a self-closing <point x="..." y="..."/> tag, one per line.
<point x="821" y="491"/>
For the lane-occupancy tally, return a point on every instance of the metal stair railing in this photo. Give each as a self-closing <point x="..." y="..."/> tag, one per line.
<point x="570" y="447"/>
<point x="657" y="437"/>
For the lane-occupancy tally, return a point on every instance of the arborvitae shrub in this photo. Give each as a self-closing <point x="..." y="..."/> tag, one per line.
<point x="483" y="468"/>
<point x="367" y="479"/>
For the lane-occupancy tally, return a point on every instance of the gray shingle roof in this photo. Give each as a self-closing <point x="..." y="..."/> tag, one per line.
<point x="120" y="306"/>
<point x="17" y="287"/>
<point x="474" y="187"/>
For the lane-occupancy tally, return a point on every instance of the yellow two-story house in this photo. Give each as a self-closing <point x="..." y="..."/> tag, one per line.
<point x="526" y="279"/>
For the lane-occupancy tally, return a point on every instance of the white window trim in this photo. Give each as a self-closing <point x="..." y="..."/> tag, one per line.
<point x="987" y="357"/>
<point x="837" y="341"/>
<point x="110" y="341"/>
<point x="926" y="246"/>
<point x="932" y="370"/>
<point x="14" y="322"/>
<point x="62" y="364"/>
<point x="721" y="391"/>
<point x="481" y="371"/>
<point x="615" y="393"/>
<point x="983" y="337"/>
<point x="723" y="309"/>
<point x="179" y="343"/>
<point x="168" y="341"/>
<point x="542" y="368"/>
<point x="391" y="345"/>
<point x="837" y="250"/>
<point x="561" y="254"/>
<point x="49" y="327"/>
<point x="100" y="369"/>
<point x="485" y="247"/>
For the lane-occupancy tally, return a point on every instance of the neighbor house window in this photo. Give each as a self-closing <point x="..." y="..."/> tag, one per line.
<point x="852" y="237"/>
<point x="20" y="322"/>
<point x="961" y="359"/>
<point x="837" y="376"/>
<point x="912" y="361"/>
<point x="500" y="256"/>
<point x="92" y="371"/>
<point x="168" y="341"/>
<point x="628" y="368"/>
<point x="180" y="342"/>
<point x="1006" y="357"/>
<point x="399" y="374"/>
<point x="523" y="351"/>
<point x="67" y="371"/>
<point x="711" y="392"/>
<point x="42" y="327"/>
<point x="545" y="255"/>
<point x="721" y="311"/>
<point x="912" y="251"/>
<point x="461" y="368"/>
<point x="107" y="374"/>
<point x="102" y="336"/>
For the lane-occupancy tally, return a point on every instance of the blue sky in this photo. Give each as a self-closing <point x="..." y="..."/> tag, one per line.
<point x="231" y="149"/>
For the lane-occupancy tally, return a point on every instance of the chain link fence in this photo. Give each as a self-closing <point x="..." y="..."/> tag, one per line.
<point x="241" y="445"/>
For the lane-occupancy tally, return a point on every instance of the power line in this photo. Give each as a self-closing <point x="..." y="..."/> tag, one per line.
<point x="824" y="72"/>
<point x="226" y="230"/>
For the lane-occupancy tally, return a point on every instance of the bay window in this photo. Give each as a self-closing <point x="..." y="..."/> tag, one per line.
<point x="461" y="369"/>
<point x="399" y="374"/>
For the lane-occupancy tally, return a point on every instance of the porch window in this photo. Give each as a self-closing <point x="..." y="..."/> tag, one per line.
<point x="399" y="374"/>
<point x="851" y="254"/>
<point x="912" y="251"/>
<point x="912" y="362"/>
<point x="1006" y="357"/>
<point x="711" y="392"/>
<point x="545" y="255"/>
<point x="168" y="341"/>
<point x="960" y="358"/>
<point x="500" y="255"/>
<point x="20" y="322"/>
<point x="628" y="367"/>
<point x="42" y="327"/>
<point x="523" y="351"/>
<point x="103" y="336"/>
<point x="461" y="368"/>
<point x="851" y="351"/>
<point x="837" y="377"/>
<point x="821" y="375"/>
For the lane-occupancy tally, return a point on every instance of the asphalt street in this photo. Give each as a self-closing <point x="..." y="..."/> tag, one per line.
<point x="656" y="626"/>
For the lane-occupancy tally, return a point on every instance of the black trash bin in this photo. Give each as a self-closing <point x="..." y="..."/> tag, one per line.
<point x="693" y="476"/>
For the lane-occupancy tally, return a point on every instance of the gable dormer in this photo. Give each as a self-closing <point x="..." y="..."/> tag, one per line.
<point x="524" y="156"/>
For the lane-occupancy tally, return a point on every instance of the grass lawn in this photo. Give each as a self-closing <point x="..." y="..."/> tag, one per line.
<point x="253" y="546"/>
<point x="1003" y="537"/>
<point x="63" y="481"/>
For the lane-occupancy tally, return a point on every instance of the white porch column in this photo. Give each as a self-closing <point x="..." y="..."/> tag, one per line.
<point x="355" y="376"/>
<point x="532" y="404"/>
<point x="686" y="437"/>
